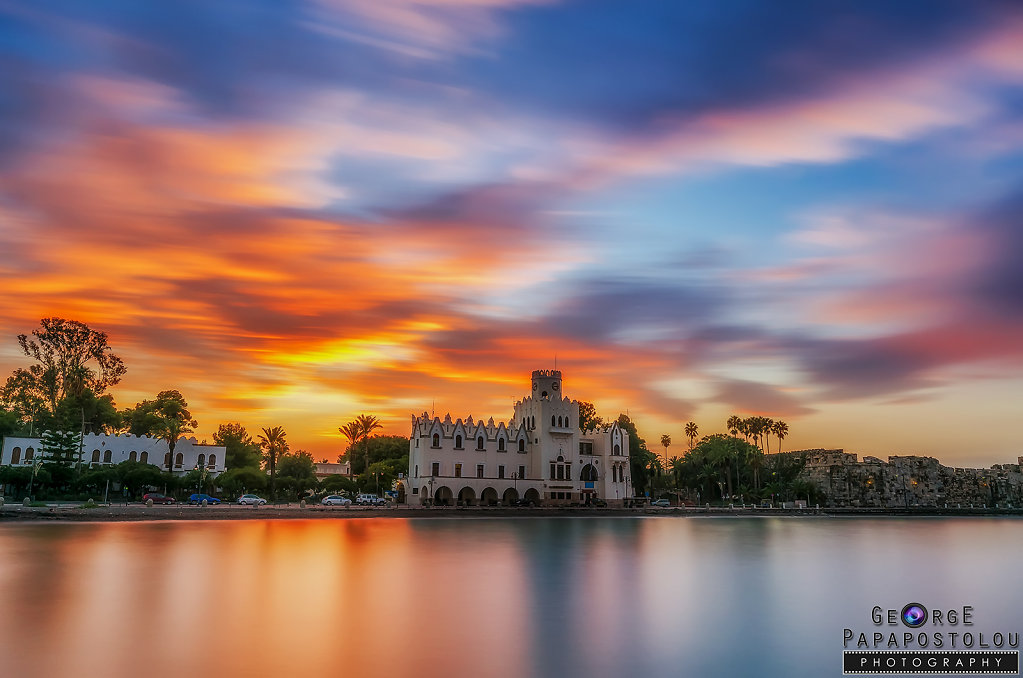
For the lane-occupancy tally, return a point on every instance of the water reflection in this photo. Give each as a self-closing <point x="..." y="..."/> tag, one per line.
<point x="480" y="597"/>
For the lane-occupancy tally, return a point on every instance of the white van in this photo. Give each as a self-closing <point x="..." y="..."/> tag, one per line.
<point x="369" y="500"/>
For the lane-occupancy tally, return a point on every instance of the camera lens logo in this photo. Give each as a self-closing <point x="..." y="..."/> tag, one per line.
<point x="914" y="615"/>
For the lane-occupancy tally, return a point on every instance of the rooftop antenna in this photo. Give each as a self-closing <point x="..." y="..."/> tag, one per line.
<point x="433" y="408"/>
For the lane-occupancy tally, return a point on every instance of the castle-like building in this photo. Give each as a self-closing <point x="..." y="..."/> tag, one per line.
<point x="540" y="455"/>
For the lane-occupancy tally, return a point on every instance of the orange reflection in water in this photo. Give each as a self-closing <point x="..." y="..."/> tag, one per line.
<point x="281" y="598"/>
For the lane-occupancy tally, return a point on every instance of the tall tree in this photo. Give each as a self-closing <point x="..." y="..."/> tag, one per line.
<point x="274" y="442"/>
<point x="781" y="429"/>
<point x="353" y="433"/>
<point x="733" y="424"/>
<point x="241" y="450"/>
<point x="692" y="430"/>
<point x="64" y="351"/>
<point x="639" y="455"/>
<point x="167" y="418"/>
<point x="665" y="441"/>
<point x="367" y="424"/>
<point x="588" y="418"/>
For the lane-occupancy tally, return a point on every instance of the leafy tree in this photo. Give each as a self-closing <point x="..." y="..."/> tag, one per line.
<point x="10" y="423"/>
<point x="340" y="484"/>
<point x="167" y="418"/>
<point x="199" y="480"/>
<point x="17" y="477"/>
<point x="382" y="474"/>
<point x="639" y="456"/>
<point x="299" y="469"/>
<point x="98" y="414"/>
<point x="136" y="476"/>
<point x="64" y="352"/>
<point x="381" y="448"/>
<point x="588" y="418"/>
<point x="237" y="481"/>
<point x="274" y="443"/>
<point x="242" y="451"/>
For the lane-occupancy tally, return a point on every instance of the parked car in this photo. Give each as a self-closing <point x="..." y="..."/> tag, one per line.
<point x="369" y="500"/>
<point x="199" y="498"/>
<point x="662" y="503"/>
<point x="597" y="502"/>
<point x="336" y="500"/>
<point x="158" y="498"/>
<point x="524" y="502"/>
<point x="251" y="499"/>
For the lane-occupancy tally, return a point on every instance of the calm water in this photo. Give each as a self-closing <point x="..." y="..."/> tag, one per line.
<point x="483" y="597"/>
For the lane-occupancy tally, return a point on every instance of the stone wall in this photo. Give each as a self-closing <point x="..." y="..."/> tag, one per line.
<point x="910" y="481"/>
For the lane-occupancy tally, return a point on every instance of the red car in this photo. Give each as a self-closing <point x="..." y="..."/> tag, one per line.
<point x="157" y="498"/>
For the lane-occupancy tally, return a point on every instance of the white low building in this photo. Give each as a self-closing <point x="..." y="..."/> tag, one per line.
<point x="541" y="454"/>
<point x="103" y="449"/>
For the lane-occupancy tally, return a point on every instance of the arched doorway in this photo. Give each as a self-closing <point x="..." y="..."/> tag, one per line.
<point x="467" y="496"/>
<point x="443" y="496"/>
<point x="510" y="496"/>
<point x="488" y="497"/>
<point x="402" y="499"/>
<point x="532" y="495"/>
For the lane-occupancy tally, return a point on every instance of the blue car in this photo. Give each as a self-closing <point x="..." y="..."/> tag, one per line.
<point x="198" y="499"/>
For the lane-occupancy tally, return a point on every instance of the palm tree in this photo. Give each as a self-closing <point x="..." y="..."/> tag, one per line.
<point x="733" y="425"/>
<point x="666" y="441"/>
<point x="353" y="433"/>
<point x="275" y="445"/>
<point x="767" y="425"/>
<point x="367" y="424"/>
<point x="691" y="432"/>
<point x="781" y="429"/>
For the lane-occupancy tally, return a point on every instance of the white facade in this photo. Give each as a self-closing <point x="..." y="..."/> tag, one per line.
<point x="540" y="454"/>
<point x="102" y="449"/>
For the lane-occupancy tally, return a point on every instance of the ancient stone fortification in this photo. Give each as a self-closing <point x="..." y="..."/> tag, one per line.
<point x="911" y="481"/>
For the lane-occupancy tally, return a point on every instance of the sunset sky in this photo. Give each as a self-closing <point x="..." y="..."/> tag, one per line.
<point x="296" y="212"/>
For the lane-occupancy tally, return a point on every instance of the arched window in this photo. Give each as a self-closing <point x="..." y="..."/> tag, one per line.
<point x="213" y="461"/>
<point x="144" y="458"/>
<point x="417" y="470"/>
<point x="30" y="454"/>
<point x="566" y="422"/>
<point x="522" y="445"/>
<point x="532" y="421"/>
<point x="589" y="474"/>
<point x="167" y="460"/>
<point x="202" y="461"/>
<point x="559" y="422"/>
<point x="553" y="420"/>
<point x="16" y="455"/>
<point x="133" y="456"/>
<point x="436" y="440"/>
<point x="107" y="455"/>
<point x="500" y="444"/>
<point x="95" y="456"/>
<point x="179" y="459"/>
<point x="458" y="442"/>
<point x="479" y="443"/>
<point x="618" y="448"/>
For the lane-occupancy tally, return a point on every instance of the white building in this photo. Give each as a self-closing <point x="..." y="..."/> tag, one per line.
<point x="539" y="455"/>
<point x="103" y="449"/>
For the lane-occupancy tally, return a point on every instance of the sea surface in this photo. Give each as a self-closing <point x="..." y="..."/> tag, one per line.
<point x="476" y="597"/>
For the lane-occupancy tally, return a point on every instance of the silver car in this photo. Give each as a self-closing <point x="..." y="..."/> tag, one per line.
<point x="336" y="500"/>
<point x="251" y="500"/>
